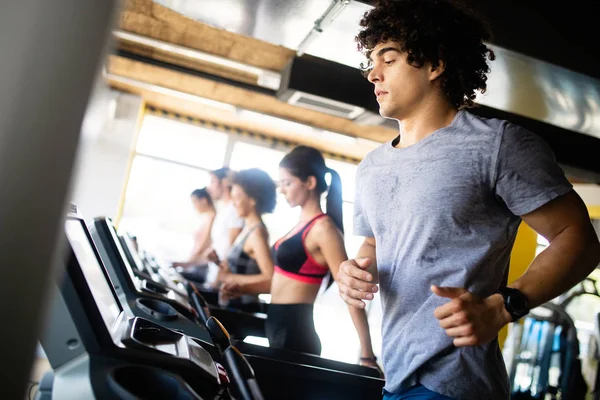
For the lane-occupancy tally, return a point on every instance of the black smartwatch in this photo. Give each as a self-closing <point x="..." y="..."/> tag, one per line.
<point x="515" y="302"/>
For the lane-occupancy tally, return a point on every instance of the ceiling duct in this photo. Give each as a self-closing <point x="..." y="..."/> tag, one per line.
<point x="333" y="11"/>
<point x="327" y="87"/>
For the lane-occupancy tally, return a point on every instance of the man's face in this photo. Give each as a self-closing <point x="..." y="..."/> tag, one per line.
<point x="399" y="87"/>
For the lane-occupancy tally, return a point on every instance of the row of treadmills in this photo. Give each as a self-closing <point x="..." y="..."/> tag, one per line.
<point x="123" y="327"/>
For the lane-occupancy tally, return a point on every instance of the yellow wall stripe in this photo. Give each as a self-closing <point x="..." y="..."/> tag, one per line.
<point x="594" y="212"/>
<point x="138" y="126"/>
<point x="522" y="255"/>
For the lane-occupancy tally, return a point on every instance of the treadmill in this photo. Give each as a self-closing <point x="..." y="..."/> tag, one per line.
<point x="232" y="319"/>
<point x="146" y="262"/>
<point x="138" y="293"/>
<point x="159" y="275"/>
<point x="98" y="351"/>
<point x="134" y="282"/>
<point x="284" y="355"/>
<point x="210" y="293"/>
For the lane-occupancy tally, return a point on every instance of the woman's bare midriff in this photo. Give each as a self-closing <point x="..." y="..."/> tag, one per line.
<point x="286" y="290"/>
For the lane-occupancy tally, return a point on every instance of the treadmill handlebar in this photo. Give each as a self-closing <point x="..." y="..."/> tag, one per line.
<point x="219" y="334"/>
<point x="243" y="375"/>
<point x="238" y="366"/>
<point x="198" y="302"/>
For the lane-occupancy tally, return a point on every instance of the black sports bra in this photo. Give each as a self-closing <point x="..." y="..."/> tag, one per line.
<point x="294" y="261"/>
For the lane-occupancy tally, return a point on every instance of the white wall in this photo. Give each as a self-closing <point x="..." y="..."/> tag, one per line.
<point x="590" y="193"/>
<point x="103" y="157"/>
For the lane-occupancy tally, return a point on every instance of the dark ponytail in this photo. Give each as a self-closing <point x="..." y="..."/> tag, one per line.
<point x="203" y="194"/>
<point x="334" y="200"/>
<point x="305" y="161"/>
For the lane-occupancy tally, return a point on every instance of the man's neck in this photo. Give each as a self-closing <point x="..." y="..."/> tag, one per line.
<point x="424" y="121"/>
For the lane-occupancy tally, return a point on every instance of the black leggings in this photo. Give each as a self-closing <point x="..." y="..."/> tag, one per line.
<point x="291" y="327"/>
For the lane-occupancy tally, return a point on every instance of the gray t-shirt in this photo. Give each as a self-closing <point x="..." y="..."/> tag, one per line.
<point x="445" y="211"/>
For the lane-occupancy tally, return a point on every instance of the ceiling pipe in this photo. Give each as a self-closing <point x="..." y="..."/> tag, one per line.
<point x="332" y="12"/>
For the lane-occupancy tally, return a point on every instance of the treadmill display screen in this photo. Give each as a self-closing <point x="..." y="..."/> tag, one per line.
<point x="92" y="270"/>
<point x="130" y="248"/>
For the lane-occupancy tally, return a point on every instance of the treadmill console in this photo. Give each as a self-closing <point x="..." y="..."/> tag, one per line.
<point x="106" y="300"/>
<point x="142" y="280"/>
<point x="139" y="333"/>
<point x="157" y="274"/>
<point x="147" y="335"/>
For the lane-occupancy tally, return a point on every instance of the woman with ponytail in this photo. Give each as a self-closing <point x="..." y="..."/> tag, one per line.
<point x="306" y="255"/>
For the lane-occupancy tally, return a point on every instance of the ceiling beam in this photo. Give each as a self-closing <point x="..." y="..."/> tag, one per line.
<point x="189" y="107"/>
<point x="242" y="98"/>
<point x="210" y="68"/>
<point x="147" y="18"/>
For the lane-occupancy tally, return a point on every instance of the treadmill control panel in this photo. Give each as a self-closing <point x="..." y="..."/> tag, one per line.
<point x="145" y="334"/>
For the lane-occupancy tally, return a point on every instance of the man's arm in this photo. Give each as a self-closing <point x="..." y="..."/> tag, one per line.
<point x="572" y="254"/>
<point x="357" y="278"/>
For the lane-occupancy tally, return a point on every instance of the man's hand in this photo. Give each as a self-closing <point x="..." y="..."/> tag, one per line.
<point x="354" y="282"/>
<point x="470" y="319"/>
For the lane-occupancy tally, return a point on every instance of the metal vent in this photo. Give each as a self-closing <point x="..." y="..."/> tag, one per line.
<point x="324" y="105"/>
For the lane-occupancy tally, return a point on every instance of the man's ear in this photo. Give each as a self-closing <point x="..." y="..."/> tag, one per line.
<point x="436" y="72"/>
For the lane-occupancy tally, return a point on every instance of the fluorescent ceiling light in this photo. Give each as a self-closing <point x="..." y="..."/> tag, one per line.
<point x="169" y="92"/>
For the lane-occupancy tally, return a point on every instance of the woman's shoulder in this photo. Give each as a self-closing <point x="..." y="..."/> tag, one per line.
<point x="259" y="233"/>
<point x="325" y="228"/>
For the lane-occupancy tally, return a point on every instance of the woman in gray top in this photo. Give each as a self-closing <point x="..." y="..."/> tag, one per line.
<point x="249" y="262"/>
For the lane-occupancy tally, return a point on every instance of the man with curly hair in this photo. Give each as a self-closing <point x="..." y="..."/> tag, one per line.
<point x="440" y="205"/>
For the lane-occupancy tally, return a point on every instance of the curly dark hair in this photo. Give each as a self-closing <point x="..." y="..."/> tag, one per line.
<point x="258" y="185"/>
<point x="433" y="31"/>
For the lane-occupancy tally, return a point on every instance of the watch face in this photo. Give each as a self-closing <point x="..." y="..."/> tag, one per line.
<point x="518" y="304"/>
